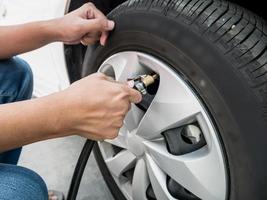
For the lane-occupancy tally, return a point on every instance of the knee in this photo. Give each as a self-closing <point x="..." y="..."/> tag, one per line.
<point x="21" y="183"/>
<point x="25" y="79"/>
<point x="16" y="80"/>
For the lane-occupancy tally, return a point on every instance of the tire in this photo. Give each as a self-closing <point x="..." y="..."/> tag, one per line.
<point x="213" y="42"/>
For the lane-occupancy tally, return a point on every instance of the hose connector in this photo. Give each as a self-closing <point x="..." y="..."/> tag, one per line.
<point x="141" y="82"/>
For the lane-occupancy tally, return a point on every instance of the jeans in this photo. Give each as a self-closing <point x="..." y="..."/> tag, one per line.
<point x="16" y="84"/>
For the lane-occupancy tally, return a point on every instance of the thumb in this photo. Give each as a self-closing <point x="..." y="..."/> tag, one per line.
<point x="134" y="95"/>
<point x="98" y="24"/>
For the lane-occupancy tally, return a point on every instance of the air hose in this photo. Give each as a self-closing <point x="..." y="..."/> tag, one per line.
<point x="79" y="169"/>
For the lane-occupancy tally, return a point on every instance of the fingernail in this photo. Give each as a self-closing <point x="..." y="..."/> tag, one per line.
<point x="111" y="24"/>
<point x="139" y="99"/>
<point x="102" y="42"/>
<point x="130" y="83"/>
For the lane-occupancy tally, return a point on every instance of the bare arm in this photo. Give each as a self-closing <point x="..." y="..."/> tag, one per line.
<point x="72" y="111"/>
<point x="29" y="121"/>
<point x="85" y="25"/>
<point x="69" y="112"/>
<point x="26" y="37"/>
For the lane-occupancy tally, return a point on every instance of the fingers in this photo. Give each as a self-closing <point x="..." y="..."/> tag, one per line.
<point x="97" y="22"/>
<point x="110" y="133"/>
<point x="97" y="25"/>
<point x="90" y="14"/>
<point x="130" y="83"/>
<point x="102" y="76"/>
<point x="90" y="38"/>
<point x="103" y="38"/>
<point x="133" y="95"/>
<point x="87" y="41"/>
<point x="95" y="12"/>
<point x="110" y="79"/>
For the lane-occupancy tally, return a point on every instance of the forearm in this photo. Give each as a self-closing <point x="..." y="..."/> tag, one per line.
<point x="71" y="111"/>
<point x="22" y="38"/>
<point x="86" y="24"/>
<point x="31" y="121"/>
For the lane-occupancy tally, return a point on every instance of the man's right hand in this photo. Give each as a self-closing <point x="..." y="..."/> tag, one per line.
<point x="93" y="107"/>
<point x="97" y="107"/>
<point x="87" y="25"/>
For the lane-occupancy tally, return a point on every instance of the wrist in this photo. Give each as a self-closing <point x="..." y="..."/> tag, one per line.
<point x="55" y="115"/>
<point x="65" y="115"/>
<point x="51" y="30"/>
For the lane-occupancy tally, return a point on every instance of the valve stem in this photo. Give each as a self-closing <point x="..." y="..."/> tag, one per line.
<point x="143" y="81"/>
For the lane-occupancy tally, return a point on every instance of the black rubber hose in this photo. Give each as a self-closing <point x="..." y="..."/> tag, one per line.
<point x="79" y="169"/>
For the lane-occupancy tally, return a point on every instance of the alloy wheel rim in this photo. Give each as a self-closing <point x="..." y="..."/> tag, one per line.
<point x="140" y="149"/>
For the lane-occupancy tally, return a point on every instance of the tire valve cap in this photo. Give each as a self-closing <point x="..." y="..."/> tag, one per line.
<point x="141" y="82"/>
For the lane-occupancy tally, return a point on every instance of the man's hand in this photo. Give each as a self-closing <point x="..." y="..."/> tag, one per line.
<point x="97" y="106"/>
<point x="86" y="25"/>
<point x="93" y="107"/>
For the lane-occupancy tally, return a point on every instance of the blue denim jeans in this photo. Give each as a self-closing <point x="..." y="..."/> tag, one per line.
<point x="16" y="84"/>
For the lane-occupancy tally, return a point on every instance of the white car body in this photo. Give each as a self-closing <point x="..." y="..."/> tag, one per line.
<point x="50" y="74"/>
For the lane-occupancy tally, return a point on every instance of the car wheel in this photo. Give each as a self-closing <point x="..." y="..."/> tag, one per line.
<point x="200" y="132"/>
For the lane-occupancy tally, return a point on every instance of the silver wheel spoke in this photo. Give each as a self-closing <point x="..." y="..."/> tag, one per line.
<point x="131" y="122"/>
<point x="169" y="109"/>
<point x="163" y="115"/>
<point x="121" y="162"/>
<point x="140" y="181"/>
<point x="119" y="142"/>
<point x="125" y="66"/>
<point x="122" y="139"/>
<point x="133" y="118"/>
<point x="158" y="180"/>
<point x="127" y="189"/>
<point x="199" y="172"/>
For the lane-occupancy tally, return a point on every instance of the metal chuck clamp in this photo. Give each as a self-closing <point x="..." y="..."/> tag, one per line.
<point x="141" y="82"/>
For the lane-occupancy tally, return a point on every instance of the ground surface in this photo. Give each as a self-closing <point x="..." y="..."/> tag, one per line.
<point x="55" y="160"/>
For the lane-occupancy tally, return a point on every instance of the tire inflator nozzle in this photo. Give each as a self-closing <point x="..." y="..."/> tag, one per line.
<point x="141" y="82"/>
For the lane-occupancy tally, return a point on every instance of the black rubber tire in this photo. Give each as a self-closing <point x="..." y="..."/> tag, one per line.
<point x="216" y="42"/>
